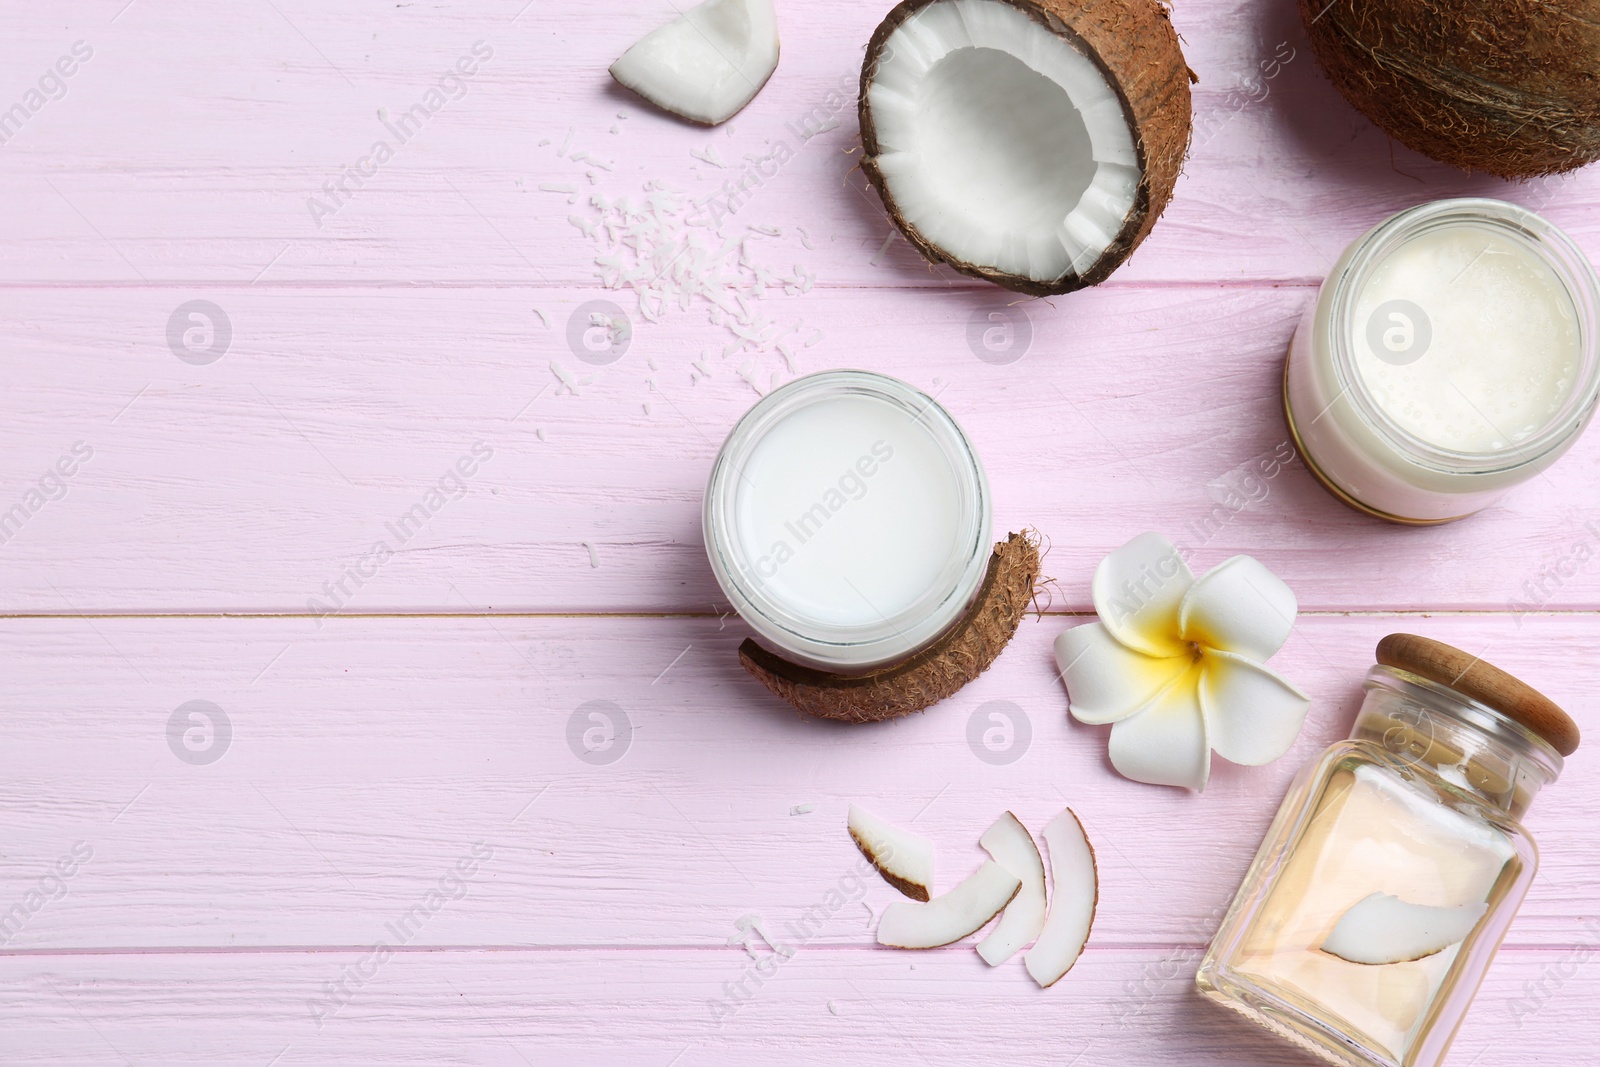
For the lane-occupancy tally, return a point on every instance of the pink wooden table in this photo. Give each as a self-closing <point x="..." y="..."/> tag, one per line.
<point x="403" y="769"/>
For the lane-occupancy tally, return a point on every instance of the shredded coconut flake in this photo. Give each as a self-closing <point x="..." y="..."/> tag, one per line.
<point x="672" y="252"/>
<point x="564" y="376"/>
<point x="747" y="371"/>
<point x="709" y="155"/>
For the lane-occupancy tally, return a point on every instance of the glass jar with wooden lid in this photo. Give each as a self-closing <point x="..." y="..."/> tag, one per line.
<point x="1395" y="864"/>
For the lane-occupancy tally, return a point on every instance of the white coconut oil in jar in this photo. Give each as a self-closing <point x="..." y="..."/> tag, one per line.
<point x="1413" y="827"/>
<point x="847" y="520"/>
<point x="1452" y="353"/>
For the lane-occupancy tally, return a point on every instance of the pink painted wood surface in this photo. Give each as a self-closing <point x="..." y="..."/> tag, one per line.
<point x="247" y="484"/>
<point x="247" y="125"/>
<point x="370" y="753"/>
<point x="1123" y="1006"/>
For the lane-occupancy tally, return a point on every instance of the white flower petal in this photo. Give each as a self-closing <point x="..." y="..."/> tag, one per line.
<point x="1107" y="681"/>
<point x="1239" y="606"/>
<point x="1253" y="714"/>
<point x="1138" y="589"/>
<point x="1165" y="742"/>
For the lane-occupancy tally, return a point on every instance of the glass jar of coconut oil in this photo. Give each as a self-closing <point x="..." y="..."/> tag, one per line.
<point x="1452" y="353"/>
<point x="1395" y="865"/>
<point x="847" y="520"/>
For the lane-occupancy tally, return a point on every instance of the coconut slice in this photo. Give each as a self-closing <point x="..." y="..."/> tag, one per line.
<point x="1032" y="143"/>
<point x="903" y="858"/>
<point x="1382" y="928"/>
<point x="951" y="916"/>
<point x="707" y="63"/>
<point x="960" y="655"/>
<point x="1072" y="901"/>
<point x="1009" y="842"/>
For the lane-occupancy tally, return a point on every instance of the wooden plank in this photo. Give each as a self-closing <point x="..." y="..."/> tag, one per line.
<point x="366" y="760"/>
<point x="645" y="1005"/>
<point x="258" y="481"/>
<point x="424" y="779"/>
<point x="164" y="164"/>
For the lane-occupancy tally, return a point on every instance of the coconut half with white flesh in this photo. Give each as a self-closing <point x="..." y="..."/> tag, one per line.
<point x="1381" y="929"/>
<point x="949" y="917"/>
<point x="903" y="858"/>
<point x="706" y="64"/>
<point x="1031" y="143"/>
<point x="1011" y="846"/>
<point x="1073" y="900"/>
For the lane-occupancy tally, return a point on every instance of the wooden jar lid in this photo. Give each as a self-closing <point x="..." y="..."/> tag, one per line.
<point x="1483" y="682"/>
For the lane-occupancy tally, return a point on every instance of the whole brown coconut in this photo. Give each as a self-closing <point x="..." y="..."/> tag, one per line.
<point x="1037" y="165"/>
<point x="1511" y="87"/>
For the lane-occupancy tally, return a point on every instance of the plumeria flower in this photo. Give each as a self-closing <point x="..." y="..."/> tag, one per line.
<point x="1175" y="664"/>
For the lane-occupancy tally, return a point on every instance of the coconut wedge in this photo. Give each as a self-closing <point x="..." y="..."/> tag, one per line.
<point x="1381" y="929"/>
<point x="1031" y="143"/>
<point x="951" y="916"/>
<point x="903" y="858"/>
<point x="706" y="64"/>
<point x="1011" y="846"/>
<point x="1072" y="901"/>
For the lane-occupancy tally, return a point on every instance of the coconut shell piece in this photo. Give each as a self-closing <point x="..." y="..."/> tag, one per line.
<point x="1133" y="44"/>
<point x="960" y="655"/>
<point x="1511" y="87"/>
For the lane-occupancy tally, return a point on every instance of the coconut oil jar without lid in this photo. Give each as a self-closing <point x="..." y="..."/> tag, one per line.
<point x="847" y="520"/>
<point x="1452" y="353"/>
<point x="1395" y="864"/>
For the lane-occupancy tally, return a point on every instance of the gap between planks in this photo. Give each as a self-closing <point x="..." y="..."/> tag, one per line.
<point x="590" y="284"/>
<point x="1376" y="613"/>
<point x="1138" y="947"/>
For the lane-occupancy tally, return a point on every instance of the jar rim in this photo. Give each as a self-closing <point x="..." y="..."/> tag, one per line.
<point x="1555" y="249"/>
<point x="1471" y="712"/>
<point x="832" y="645"/>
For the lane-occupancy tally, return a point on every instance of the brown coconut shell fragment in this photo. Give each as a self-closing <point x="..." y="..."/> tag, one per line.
<point x="1133" y="44"/>
<point x="956" y="658"/>
<point x="1511" y="87"/>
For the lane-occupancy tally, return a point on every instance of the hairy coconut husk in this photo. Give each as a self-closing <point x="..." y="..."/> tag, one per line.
<point x="1511" y="87"/>
<point x="960" y="655"/>
<point x="1133" y="44"/>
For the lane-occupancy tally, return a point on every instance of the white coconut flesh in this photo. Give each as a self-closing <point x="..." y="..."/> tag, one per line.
<point x="1382" y="929"/>
<point x="951" y="916"/>
<point x="903" y="858"/>
<point x="1072" y="901"/>
<point x="1000" y="142"/>
<point x="1011" y="846"/>
<point x="707" y="63"/>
